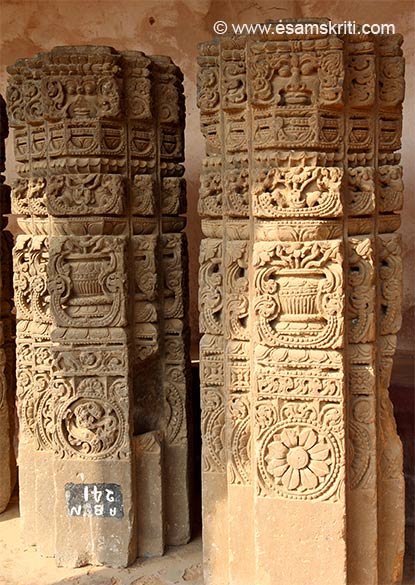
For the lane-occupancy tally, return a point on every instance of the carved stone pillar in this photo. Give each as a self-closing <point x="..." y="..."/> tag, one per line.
<point x="300" y="305"/>
<point x="7" y="325"/>
<point x="100" y="295"/>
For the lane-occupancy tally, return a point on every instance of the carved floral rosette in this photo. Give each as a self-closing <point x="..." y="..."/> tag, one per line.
<point x="299" y="286"/>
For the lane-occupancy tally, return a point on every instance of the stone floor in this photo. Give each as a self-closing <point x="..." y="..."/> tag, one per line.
<point x="181" y="565"/>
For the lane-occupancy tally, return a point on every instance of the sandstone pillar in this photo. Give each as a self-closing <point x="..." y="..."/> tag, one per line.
<point x="7" y="354"/>
<point x="300" y="304"/>
<point x="100" y="289"/>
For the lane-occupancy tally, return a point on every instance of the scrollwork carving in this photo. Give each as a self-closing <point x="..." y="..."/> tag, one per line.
<point x="361" y="299"/>
<point x="211" y="286"/>
<point x="90" y="418"/>
<point x="213" y="430"/>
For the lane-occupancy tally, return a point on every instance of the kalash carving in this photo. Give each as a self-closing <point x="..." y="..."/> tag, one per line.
<point x="300" y="292"/>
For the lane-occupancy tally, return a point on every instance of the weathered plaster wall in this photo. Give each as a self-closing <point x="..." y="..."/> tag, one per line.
<point x="174" y="28"/>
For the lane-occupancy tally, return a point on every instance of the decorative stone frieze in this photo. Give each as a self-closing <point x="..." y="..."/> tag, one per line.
<point x="300" y="292"/>
<point x="101" y="297"/>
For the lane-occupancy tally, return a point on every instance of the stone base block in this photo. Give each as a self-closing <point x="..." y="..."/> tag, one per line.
<point x="215" y="528"/>
<point x="148" y="453"/>
<point x="296" y="542"/>
<point x="95" y="513"/>
<point x="27" y="493"/>
<point x="45" y="521"/>
<point x="176" y="470"/>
